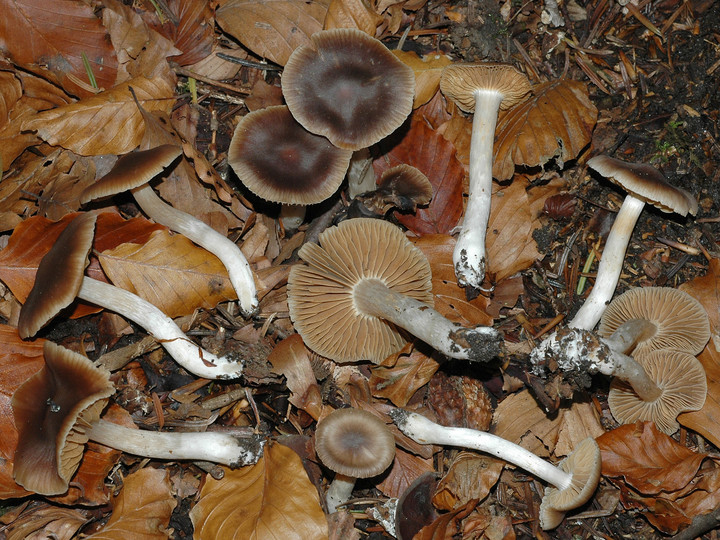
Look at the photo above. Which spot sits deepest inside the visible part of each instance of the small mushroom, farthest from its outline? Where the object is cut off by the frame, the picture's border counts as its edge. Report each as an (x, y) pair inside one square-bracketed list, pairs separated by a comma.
[(402, 187), (354, 444), (132, 172), (280, 161), (59, 280), (347, 86), (482, 89), (361, 283), (644, 184), (58, 409), (573, 480)]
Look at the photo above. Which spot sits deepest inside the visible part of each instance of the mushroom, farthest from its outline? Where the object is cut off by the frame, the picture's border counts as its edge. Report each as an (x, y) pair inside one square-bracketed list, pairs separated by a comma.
[(58, 409), (482, 89), (348, 87), (644, 184), (280, 161), (573, 480), (133, 172), (402, 187), (59, 280), (363, 281), (354, 444)]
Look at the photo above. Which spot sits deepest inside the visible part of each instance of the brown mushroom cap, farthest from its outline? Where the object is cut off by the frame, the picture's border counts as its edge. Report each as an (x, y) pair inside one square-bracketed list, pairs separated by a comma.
[(584, 465), (59, 275), (51, 410), (320, 293), (280, 161), (354, 443), (459, 82), (646, 183), (131, 171), (348, 87), (681, 322), (406, 182), (681, 378)]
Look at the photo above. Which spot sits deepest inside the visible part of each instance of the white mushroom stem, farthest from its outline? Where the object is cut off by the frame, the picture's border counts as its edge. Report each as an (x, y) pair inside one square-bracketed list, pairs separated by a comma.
[(339, 492), (196, 446), (425, 431), (373, 298), (205, 236), (469, 256), (610, 265), (193, 358)]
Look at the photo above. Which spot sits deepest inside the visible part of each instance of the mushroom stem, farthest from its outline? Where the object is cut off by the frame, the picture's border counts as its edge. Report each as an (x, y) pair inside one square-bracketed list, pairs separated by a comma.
[(627, 336), (373, 297), (205, 236), (425, 431), (193, 358), (469, 256), (196, 446), (610, 265), (292, 215), (340, 491)]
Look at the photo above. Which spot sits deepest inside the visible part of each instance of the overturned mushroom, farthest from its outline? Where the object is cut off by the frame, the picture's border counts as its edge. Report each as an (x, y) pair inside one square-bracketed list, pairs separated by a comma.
[(363, 281), (58, 409), (59, 280)]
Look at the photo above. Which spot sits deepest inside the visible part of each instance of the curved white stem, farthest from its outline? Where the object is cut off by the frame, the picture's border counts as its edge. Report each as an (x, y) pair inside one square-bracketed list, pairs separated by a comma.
[(196, 446), (193, 358), (610, 265), (425, 431), (339, 492), (469, 256), (205, 236), (372, 297)]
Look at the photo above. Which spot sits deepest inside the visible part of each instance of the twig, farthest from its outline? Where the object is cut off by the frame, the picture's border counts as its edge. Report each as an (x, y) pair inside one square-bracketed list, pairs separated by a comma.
[(187, 73)]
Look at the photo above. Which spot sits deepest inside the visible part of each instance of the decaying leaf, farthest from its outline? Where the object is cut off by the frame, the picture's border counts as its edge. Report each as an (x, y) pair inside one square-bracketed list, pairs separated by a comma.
[(427, 73), (401, 374), (193, 34), (269, 500), (519, 419), (405, 469), (41, 520), (352, 14), (706, 290), (470, 476), (706, 421)]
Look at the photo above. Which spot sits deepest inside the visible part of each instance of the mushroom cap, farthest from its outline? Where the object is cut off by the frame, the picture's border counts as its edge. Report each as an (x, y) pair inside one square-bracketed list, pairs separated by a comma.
[(131, 171), (679, 375), (646, 183), (280, 161), (681, 321), (459, 82), (59, 275), (354, 443), (51, 410), (347, 86), (320, 293), (409, 186), (584, 465)]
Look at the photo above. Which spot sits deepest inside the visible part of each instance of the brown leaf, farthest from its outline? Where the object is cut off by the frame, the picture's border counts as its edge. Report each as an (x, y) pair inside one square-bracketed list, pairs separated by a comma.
[(269, 500), (447, 525), (61, 195), (427, 73), (142, 510), (647, 459), (556, 122), (10, 94), (405, 469), (401, 374), (193, 34), (352, 14), (427, 151), (470, 476), (272, 29), (39, 33), (41, 520), (706, 421), (706, 290)]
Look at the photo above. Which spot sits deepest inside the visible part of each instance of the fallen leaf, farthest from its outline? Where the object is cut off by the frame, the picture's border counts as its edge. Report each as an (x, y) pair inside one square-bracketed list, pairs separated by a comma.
[(193, 34), (447, 525), (401, 374), (706, 421), (427, 73), (405, 469), (470, 476), (519, 419), (706, 290), (352, 14), (43, 521)]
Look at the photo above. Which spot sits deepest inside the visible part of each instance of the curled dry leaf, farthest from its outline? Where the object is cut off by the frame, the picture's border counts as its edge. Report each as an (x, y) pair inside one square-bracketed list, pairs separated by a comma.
[(271, 499), (427, 73), (401, 374), (447, 525), (352, 14), (706, 421), (470, 476), (706, 290), (556, 122), (44, 521), (272, 30), (193, 34), (405, 469)]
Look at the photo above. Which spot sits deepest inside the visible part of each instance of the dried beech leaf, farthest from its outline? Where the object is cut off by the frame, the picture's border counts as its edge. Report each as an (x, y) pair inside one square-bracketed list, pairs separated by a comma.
[(10, 93), (272, 29), (170, 272), (61, 195), (647, 459), (400, 375), (142, 510), (108, 123), (269, 500), (447, 525), (427, 73), (193, 34), (405, 469), (44, 521), (519, 419), (41, 33), (352, 14), (706, 290), (470, 476), (556, 122), (578, 423), (13, 141), (431, 154), (706, 421)]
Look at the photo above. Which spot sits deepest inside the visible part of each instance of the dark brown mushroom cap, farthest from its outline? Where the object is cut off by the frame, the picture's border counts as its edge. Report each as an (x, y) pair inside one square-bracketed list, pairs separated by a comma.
[(681, 378), (280, 161), (131, 171), (680, 321), (51, 410), (320, 292), (646, 183), (348, 87), (354, 443), (406, 183), (59, 275), (459, 82), (584, 465)]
